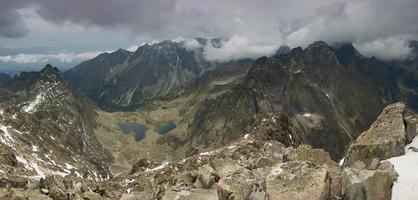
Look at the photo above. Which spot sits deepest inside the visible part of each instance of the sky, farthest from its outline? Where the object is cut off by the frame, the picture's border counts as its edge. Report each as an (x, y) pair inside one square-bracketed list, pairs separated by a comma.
[(66, 32)]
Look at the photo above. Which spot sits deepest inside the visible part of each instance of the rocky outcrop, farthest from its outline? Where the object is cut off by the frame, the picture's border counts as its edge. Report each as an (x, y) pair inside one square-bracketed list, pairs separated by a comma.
[(298, 180), (385, 138), (363, 184), (365, 176), (330, 94), (46, 128), (249, 168)]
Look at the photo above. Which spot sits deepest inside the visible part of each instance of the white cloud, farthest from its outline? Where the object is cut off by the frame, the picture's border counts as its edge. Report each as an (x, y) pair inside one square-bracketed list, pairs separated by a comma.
[(257, 26), (239, 47), (132, 48), (386, 48), (44, 58)]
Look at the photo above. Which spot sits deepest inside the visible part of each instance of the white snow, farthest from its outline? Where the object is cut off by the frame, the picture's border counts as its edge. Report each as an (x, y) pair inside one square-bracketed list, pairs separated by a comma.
[(307, 114), (31, 166), (246, 136), (68, 166), (231, 147), (326, 94), (406, 186), (162, 166), (6, 138), (208, 153), (52, 161), (341, 163), (31, 107), (34, 148)]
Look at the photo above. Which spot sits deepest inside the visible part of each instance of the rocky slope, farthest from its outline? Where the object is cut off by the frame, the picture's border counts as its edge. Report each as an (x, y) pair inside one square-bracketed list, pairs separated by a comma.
[(329, 93), (47, 128), (257, 166), (124, 80)]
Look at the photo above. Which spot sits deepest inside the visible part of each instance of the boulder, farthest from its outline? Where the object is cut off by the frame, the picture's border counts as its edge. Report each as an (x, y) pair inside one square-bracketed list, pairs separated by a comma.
[(91, 196), (363, 184), (141, 164), (411, 128), (136, 196), (241, 187), (385, 138), (194, 194), (298, 180), (52, 181), (319, 157), (26, 195), (206, 177)]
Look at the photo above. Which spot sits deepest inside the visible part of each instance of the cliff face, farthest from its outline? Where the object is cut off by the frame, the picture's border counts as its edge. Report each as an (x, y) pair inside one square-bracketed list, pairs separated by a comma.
[(46, 128), (125, 79), (330, 95)]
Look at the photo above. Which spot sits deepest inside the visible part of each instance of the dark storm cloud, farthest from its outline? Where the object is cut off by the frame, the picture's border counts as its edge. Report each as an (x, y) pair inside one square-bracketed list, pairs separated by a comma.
[(251, 28), (11, 24)]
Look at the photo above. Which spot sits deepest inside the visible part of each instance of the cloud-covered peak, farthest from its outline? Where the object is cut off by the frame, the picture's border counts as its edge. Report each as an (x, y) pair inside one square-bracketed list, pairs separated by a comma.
[(249, 28)]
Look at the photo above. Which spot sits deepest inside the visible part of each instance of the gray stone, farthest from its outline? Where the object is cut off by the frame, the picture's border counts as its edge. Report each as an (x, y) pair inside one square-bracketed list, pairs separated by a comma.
[(374, 163), (91, 196), (385, 138), (298, 181), (362, 184), (206, 177), (359, 165), (411, 128)]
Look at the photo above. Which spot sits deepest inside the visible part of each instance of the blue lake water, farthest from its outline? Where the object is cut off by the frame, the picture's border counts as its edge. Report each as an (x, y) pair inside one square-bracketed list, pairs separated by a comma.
[(165, 127), (138, 130)]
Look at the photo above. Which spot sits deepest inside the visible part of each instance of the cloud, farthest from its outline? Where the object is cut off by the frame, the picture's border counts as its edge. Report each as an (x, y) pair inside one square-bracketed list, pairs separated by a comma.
[(387, 48), (238, 47), (45, 58), (250, 28), (11, 23)]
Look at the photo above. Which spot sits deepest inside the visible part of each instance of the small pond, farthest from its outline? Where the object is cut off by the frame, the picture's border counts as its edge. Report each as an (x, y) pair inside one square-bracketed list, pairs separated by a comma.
[(165, 127), (138, 130)]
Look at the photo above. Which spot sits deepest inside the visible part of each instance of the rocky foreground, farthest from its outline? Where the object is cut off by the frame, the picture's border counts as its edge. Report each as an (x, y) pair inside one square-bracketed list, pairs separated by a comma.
[(267, 163)]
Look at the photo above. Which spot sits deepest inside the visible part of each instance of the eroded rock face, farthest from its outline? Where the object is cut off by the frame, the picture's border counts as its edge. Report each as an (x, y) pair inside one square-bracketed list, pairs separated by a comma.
[(385, 138), (298, 180), (363, 184)]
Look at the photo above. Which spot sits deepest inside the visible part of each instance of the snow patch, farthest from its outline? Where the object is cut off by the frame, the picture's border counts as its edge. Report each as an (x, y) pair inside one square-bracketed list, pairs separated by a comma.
[(406, 186), (162, 166), (34, 148), (231, 147), (6, 138), (31, 165), (307, 114), (68, 166), (31, 107), (208, 153), (341, 163)]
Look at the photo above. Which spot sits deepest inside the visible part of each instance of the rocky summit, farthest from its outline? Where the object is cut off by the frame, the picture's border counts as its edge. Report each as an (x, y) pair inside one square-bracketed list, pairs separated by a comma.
[(164, 123), (250, 167)]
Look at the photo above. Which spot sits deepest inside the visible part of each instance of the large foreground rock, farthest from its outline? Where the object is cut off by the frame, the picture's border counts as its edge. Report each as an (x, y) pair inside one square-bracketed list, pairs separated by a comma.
[(386, 138), (363, 184), (298, 181)]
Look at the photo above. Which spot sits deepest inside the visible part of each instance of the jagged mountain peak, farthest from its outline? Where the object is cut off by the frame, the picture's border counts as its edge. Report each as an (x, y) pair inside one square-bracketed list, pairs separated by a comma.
[(49, 127), (50, 72)]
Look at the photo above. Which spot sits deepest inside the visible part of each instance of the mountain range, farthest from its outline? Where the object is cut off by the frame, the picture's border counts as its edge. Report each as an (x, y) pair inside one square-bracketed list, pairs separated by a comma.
[(120, 119)]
